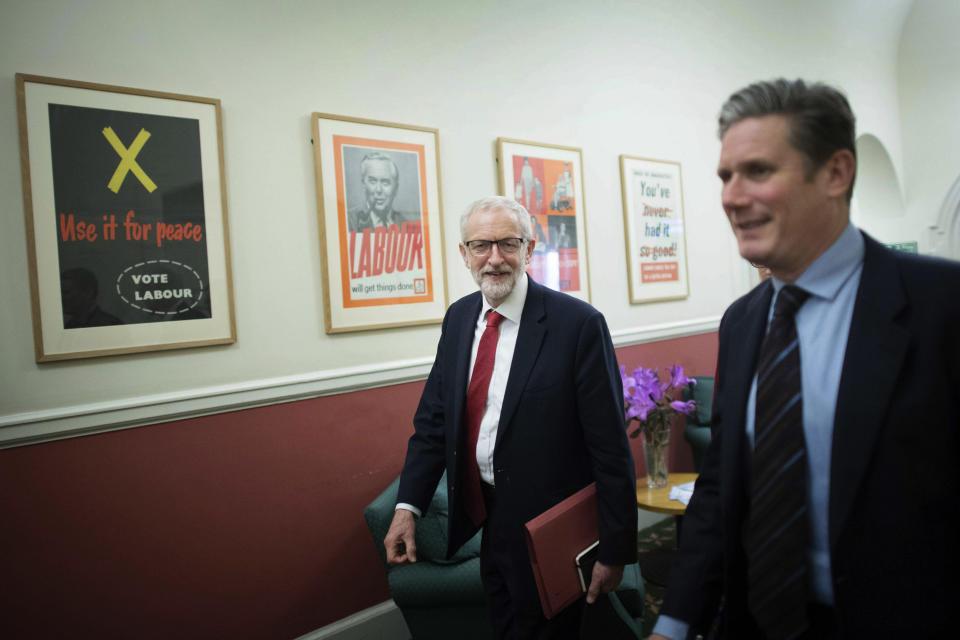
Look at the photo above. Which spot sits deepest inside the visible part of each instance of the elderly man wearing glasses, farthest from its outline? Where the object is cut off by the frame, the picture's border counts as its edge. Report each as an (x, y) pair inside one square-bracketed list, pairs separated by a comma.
[(523, 407)]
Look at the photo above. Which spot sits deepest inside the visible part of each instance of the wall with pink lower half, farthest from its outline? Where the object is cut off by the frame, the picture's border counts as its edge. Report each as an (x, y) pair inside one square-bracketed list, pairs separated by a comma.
[(245, 524)]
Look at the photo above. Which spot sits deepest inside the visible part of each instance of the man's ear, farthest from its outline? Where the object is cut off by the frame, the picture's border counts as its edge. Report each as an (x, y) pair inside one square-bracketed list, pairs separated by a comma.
[(463, 254), (839, 171)]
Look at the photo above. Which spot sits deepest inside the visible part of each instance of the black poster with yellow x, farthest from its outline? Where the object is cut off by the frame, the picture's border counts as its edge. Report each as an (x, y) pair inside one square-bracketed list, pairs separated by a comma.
[(128, 192)]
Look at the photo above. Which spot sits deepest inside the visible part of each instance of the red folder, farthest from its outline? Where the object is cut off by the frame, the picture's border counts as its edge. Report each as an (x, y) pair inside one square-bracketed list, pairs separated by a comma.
[(555, 538)]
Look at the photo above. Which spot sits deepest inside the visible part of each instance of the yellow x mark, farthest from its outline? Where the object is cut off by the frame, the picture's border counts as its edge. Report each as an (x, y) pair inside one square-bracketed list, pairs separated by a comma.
[(128, 160)]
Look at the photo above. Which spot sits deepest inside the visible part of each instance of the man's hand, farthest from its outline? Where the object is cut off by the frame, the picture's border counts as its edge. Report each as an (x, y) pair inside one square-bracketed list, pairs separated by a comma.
[(399, 543), (605, 579)]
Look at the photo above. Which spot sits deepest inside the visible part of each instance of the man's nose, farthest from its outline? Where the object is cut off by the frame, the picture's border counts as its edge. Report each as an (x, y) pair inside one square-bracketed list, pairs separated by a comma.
[(734, 194), (495, 256)]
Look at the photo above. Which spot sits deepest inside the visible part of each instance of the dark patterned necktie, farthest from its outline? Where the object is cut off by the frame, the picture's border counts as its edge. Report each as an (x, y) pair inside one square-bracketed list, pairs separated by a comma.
[(476, 404), (776, 533)]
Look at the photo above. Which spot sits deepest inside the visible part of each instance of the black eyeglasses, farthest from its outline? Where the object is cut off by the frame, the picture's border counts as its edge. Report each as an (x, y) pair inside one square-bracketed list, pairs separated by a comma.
[(480, 248)]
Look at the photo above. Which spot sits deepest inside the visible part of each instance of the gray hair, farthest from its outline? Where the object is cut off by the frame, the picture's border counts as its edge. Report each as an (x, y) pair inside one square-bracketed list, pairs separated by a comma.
[(382, 158), (493, 203), (820, 119)]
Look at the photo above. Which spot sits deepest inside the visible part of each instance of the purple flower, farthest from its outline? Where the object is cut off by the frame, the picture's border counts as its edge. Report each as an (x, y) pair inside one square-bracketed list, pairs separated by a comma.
[(629, 384), (684, 407), (650, 401), (640, 407), (677, 379), (648, 383)]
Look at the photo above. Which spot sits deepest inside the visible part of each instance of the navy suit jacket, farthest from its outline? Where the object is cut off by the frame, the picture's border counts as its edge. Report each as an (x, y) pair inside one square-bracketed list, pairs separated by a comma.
[(895, 467), (561, 425)]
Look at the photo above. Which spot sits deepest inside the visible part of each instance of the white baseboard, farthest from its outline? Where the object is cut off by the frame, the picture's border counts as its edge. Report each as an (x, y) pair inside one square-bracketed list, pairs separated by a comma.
[(381, 622), (66, 422)]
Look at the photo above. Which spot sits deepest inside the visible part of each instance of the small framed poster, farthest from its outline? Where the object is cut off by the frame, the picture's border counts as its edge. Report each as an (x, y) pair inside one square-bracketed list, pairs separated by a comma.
[(381, 234), (126, 217), (548, 180), (654, 228)]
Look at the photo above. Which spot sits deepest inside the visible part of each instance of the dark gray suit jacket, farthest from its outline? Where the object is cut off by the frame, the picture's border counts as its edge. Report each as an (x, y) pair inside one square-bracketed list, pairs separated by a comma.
[(561, 425), (895, 468)]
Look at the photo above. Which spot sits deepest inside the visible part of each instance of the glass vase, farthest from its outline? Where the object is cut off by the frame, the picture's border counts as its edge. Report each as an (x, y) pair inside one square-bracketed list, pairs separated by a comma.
[(655, 444)]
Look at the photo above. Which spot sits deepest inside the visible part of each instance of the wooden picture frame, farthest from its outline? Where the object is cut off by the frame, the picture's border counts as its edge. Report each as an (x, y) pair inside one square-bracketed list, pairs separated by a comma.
[(654, 229), (548, 180), (381, 223), (126, 219)]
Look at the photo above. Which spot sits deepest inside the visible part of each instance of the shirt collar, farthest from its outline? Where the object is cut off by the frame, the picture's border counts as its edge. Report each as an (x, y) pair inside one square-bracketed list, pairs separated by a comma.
[(827, 274), (512, 307)]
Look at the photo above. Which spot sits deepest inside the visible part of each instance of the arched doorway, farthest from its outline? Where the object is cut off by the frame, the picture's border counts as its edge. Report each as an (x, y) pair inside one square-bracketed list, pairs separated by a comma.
[(945, 236)]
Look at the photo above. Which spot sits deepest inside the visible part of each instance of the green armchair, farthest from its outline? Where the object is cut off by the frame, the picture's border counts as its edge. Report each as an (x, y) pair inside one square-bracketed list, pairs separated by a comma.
[(697, 431), (439, 598), (442, 598)]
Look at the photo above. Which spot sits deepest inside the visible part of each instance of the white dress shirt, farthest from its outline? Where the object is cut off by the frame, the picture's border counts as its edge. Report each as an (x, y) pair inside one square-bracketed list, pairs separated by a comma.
[(511, 309)]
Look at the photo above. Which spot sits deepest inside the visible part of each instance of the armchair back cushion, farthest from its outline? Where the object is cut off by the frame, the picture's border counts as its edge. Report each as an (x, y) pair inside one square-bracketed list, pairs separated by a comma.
[(702, 394), (697, 431), (431, 532)]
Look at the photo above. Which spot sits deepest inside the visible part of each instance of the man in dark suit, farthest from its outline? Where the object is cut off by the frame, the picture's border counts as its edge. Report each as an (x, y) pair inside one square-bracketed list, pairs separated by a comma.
[(549, 422), (852, 475)]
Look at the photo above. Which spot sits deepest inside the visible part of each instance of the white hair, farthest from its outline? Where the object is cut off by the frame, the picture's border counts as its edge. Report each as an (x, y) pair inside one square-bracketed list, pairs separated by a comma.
[(493, 203)]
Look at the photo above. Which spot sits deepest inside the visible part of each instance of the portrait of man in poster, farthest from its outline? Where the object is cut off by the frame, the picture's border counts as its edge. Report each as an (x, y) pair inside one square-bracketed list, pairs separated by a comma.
[(375, 179)]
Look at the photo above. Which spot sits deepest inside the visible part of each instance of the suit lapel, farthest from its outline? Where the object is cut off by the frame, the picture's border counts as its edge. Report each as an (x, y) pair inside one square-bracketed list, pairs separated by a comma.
[(467, 328), (744, 345), (529, 339), (875, 351)]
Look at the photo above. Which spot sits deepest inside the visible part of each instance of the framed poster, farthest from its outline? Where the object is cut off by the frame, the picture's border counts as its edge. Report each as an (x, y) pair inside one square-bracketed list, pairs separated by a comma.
[(548, 180), (655, 232), (381, 239), (126, 218)]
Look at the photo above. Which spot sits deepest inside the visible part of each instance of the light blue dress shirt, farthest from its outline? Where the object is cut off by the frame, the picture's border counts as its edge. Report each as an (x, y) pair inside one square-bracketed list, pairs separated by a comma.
[(823, 325)]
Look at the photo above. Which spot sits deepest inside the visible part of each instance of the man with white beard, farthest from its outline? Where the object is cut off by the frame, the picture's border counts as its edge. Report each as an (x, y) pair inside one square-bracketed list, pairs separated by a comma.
[(523, 407)]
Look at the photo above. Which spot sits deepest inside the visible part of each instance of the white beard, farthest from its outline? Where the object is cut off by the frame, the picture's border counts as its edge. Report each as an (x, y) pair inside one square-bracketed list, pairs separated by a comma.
[(498, 291)]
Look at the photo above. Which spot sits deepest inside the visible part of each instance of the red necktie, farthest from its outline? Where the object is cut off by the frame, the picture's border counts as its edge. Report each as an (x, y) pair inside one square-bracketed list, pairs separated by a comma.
[(476, 403)]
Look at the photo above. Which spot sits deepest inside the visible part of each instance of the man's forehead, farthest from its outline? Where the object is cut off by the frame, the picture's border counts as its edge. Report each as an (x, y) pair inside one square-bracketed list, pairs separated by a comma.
[(377, 165), (493, 216), (755, 138)]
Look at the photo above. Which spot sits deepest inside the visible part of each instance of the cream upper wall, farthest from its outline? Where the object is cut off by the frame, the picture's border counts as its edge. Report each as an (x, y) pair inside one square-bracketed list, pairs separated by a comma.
[(640, 78), (929, 90)]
